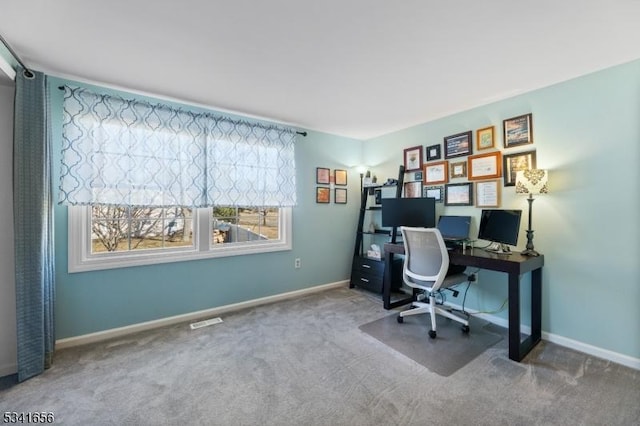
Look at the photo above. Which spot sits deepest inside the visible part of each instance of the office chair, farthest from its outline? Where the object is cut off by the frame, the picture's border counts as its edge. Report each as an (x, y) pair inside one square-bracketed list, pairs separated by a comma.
[(425, 267)]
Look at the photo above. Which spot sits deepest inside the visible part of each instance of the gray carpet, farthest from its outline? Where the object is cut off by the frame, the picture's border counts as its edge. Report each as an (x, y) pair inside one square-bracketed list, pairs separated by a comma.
[(306, 362), (447, 353)]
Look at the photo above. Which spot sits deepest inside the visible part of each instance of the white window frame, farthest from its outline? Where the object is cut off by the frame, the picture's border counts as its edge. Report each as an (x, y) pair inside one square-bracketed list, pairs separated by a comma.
[(82, 260)]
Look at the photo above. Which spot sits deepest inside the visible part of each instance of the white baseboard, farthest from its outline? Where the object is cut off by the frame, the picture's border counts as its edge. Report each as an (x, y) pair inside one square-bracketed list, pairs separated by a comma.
[(8, 369), (605, 354), (148, 325), (608, 355)]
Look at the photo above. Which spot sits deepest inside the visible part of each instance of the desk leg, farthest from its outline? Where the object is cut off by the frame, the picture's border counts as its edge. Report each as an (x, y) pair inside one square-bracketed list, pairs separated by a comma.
[(386, 281), (519, 349), (386, 286), (536, 305), (514, 317)]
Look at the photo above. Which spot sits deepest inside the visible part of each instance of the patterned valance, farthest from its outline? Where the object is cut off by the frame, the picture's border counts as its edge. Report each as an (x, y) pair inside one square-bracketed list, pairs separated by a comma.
[(129, 152)]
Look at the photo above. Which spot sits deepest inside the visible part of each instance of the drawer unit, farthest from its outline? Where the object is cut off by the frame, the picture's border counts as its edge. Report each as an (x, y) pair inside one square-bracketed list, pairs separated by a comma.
[(369, 273)]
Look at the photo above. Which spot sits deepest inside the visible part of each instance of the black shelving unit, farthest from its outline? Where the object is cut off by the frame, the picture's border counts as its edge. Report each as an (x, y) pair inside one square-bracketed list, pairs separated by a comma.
[(366, 272)]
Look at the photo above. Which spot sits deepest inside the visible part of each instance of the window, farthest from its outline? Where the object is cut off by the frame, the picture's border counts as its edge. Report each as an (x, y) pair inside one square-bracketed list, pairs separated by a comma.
[(147, 183), (234, 225), (126, 228), (105, 237)]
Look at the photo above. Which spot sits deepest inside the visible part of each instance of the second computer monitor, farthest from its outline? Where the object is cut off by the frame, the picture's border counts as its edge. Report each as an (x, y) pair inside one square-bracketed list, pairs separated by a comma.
[(454, 227)]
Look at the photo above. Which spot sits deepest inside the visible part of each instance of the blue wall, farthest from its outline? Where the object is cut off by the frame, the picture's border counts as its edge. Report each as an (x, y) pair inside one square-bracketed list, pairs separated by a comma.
[(323, 237), (587, 133)]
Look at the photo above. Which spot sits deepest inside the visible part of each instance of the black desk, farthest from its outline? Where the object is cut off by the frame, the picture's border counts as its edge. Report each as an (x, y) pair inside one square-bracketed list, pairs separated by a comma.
[(515, 265)]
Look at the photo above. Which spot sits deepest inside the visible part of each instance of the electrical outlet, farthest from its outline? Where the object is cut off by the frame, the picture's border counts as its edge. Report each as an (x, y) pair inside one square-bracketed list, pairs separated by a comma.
[(297, 263)]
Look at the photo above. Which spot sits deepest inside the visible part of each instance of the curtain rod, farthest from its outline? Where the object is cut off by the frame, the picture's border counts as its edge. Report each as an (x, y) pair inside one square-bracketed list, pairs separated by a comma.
[(304, 134), (27, 72)]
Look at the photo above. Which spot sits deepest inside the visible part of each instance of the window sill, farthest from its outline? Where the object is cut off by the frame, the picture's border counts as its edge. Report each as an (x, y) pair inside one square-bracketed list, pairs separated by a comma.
[(115, 261)]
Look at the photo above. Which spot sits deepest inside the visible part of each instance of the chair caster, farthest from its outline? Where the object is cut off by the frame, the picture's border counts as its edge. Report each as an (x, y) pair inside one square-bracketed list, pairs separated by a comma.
[(432, 334), (400, 319), (465, 329)]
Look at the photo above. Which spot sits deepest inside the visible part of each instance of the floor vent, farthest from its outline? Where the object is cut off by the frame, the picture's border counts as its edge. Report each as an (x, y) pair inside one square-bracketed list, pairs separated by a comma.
[(205, 323)]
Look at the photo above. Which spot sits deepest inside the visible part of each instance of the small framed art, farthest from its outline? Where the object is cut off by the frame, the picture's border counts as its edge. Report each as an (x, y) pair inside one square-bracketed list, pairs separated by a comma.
[(518, 130), (323, 176), (512, 163), (436, 192), (437, 172), (484, 138), (433, 152), (340, 177), (413, 159), (458, 194), (323, 195), (377, 196), (458, 170), (488, 194), (413, 189), (340, 196), (485, 166), (458, 145)]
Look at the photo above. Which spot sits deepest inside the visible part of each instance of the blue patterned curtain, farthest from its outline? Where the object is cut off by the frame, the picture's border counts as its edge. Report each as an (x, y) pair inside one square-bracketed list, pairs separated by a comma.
[(128, 152), (33, 226)]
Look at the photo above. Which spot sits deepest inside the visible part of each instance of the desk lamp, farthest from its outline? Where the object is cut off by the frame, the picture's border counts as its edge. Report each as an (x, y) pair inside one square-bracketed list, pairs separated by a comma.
[(531, 182)]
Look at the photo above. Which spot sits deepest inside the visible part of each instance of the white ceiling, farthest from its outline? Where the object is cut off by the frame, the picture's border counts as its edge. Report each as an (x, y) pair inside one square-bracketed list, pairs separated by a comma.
[(358, 68)]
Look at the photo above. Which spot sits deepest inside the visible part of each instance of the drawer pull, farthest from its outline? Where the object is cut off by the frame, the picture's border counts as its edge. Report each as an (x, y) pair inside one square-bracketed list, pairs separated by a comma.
[(364, 279), (366, 266)]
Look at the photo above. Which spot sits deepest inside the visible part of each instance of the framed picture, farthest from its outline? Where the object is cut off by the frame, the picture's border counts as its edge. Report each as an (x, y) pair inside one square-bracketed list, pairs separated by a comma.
[(418, 176), (377, 196), (458, 194), (340, 177), (484, 138), (518, 130), (323, 176), (485, 166), (458, 145), (488, 194), (413, 190), (413, 159), (322, 195), (512, 163), (436, 192), (433, 152), (458, 170), (340, 196), (435, 173)]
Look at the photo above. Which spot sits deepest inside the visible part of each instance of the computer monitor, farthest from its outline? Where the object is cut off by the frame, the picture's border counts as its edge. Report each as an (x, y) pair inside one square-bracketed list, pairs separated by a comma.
[(454, 228), (417, 212), (501, 227)]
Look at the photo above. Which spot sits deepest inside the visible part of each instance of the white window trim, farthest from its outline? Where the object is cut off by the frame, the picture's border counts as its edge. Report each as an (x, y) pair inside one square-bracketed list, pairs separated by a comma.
[(82, 260)]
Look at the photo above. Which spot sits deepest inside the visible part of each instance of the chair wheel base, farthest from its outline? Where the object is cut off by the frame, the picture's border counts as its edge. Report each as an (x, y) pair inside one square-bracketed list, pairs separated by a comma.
[(400, 319), (432, 334)]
